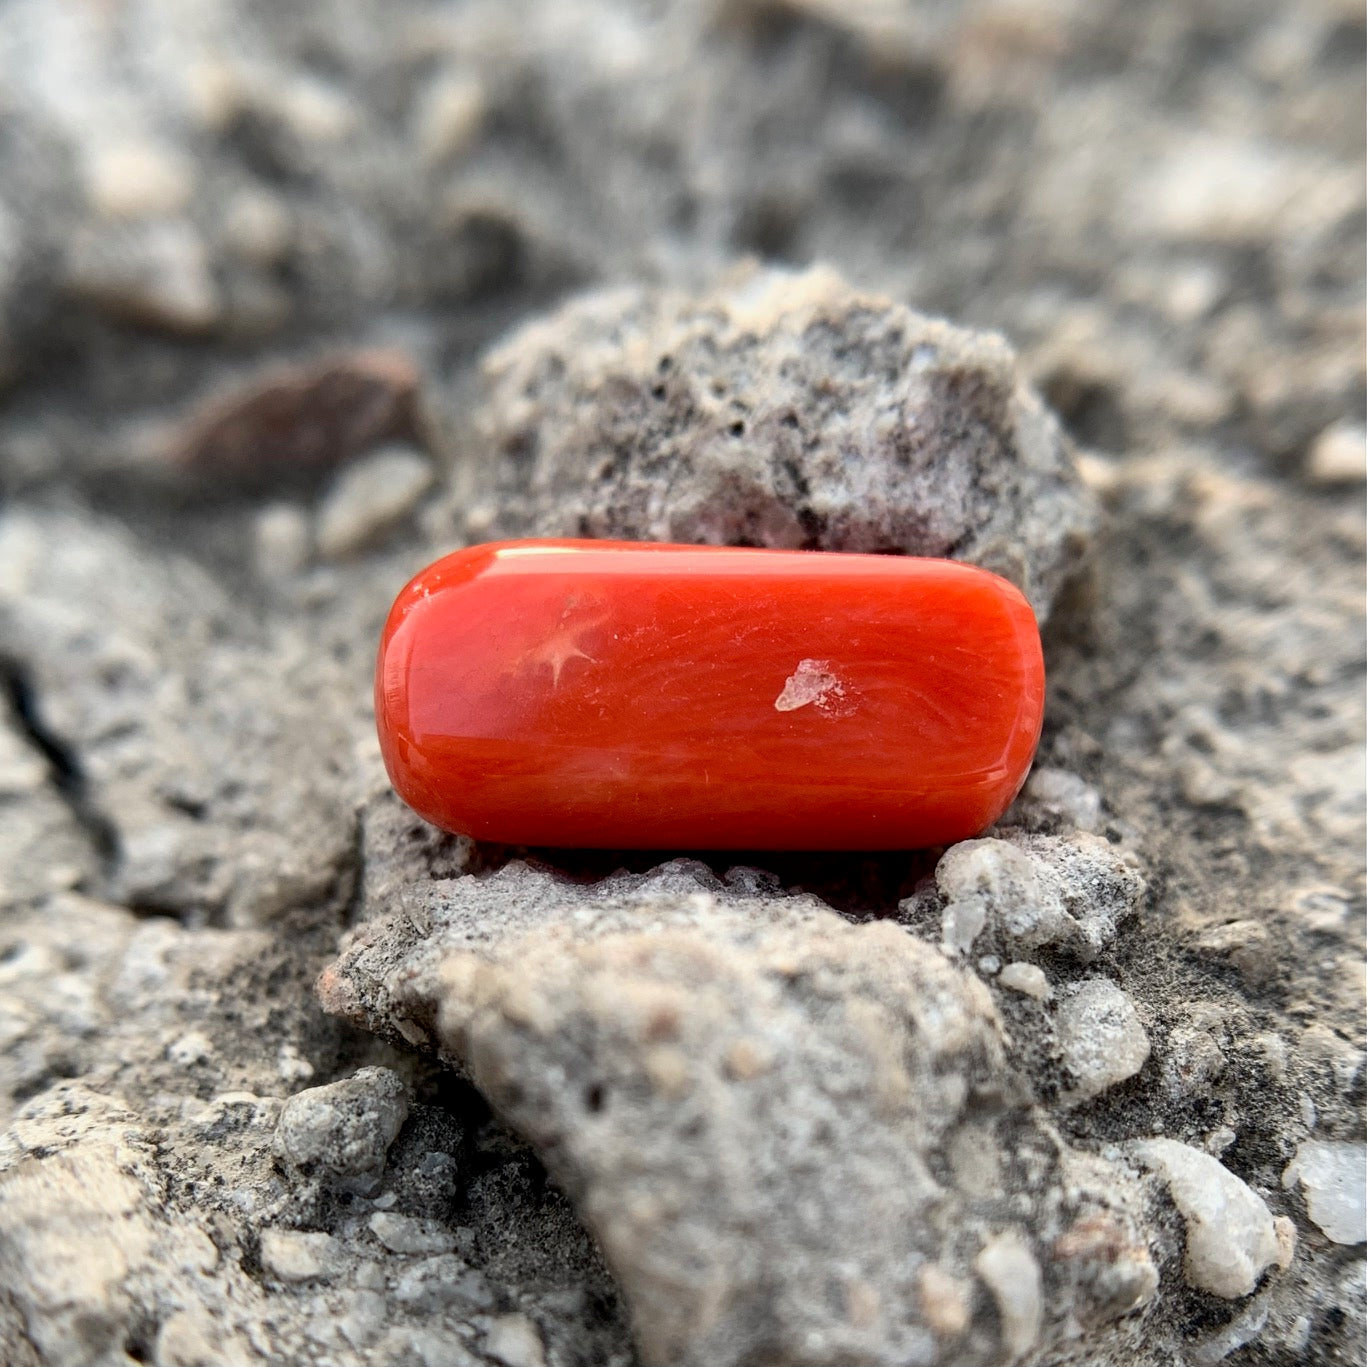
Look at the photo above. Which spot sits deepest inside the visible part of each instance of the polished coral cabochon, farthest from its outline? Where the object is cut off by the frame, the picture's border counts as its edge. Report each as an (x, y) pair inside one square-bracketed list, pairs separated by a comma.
[(634, 695)]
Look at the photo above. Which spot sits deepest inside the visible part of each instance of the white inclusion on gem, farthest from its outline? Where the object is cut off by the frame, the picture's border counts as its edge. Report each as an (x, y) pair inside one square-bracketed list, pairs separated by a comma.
[(556, 652), (811, 682), (558, 649), (559, 653)]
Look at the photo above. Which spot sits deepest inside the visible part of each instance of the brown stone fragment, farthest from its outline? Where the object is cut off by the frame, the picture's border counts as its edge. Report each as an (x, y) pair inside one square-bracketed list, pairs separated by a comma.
[(294, 420)]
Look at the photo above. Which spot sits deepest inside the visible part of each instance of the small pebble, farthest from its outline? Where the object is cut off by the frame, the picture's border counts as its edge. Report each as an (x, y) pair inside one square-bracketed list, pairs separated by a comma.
[(315, 112), (369, 499), (1333, 1179), (346, 1127), (291, 1065), (189, 1049), (480, 518), (131, 180), (1285, 1229), (1229, 1338), (194, 1338), (156, 274), (403, 1234), (1066, 796), (23, 770), (1012, 1274), (1026, 979), (257, 228), (443, 1282), (365, 1317), (1100, 1037), (1231, 1238), (1192, 291), (282, 541), (945, 1302), (424, 1348), (1212, 188), (292, 1255), (1274, 1053), (1219, 1140), (514, 1341), (982, 877), (1339, 455), (960, 924), (289, 419), (1323, 909), (449, 116), (1194, 1058)]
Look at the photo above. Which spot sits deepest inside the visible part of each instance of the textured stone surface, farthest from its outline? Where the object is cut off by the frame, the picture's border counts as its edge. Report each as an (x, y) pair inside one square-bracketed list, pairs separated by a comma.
[(213, 802), (1102, 1041), (782, 410), (747, 1096), (1160, 206), (1023, 892)]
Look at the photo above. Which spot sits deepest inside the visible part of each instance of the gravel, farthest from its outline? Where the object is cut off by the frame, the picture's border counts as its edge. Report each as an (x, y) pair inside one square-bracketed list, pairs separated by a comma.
[(251, 254)]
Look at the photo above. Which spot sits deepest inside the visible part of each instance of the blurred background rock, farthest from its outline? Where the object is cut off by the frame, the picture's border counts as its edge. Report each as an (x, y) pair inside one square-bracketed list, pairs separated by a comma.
[(254, 260)]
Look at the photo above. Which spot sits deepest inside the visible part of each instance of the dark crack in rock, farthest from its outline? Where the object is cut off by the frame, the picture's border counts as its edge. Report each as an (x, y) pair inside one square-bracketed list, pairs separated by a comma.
[(214, 768)]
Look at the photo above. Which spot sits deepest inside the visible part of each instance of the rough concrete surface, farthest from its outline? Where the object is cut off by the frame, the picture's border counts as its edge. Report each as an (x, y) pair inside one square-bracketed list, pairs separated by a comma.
[(295, 298)]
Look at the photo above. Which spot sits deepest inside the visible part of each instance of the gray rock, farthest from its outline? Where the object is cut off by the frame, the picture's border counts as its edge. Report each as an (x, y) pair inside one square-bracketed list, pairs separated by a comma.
[(369, 499), (743, 1093), (1019, 892), (1100, 1036), (345, 1128), (782, 410), (206, 751), (1161, 208)]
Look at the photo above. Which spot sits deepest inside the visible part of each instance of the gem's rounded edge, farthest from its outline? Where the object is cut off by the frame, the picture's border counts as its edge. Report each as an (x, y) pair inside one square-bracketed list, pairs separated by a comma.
[(421, 790), (403, 760), (1029, 725)]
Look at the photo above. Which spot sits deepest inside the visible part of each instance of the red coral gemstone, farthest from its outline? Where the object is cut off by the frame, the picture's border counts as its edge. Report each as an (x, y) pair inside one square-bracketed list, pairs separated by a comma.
[(629, 695)]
